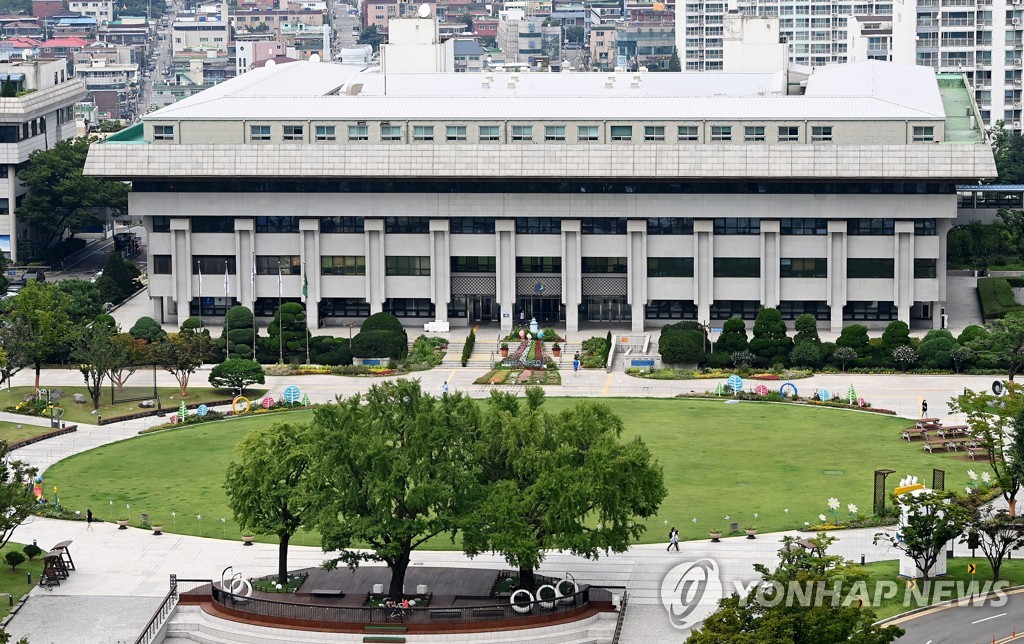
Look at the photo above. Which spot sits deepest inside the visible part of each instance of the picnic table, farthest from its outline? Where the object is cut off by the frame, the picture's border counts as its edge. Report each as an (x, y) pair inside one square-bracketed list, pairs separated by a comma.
[(952, 430), (921, 422), (912, 432), (950, 444)]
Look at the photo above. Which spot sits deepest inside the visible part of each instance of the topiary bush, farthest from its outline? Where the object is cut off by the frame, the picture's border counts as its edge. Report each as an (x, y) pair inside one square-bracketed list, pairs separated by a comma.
[(770, 343), (467, 349), (382, 322), (238, 333), (683, 343), (147, 329), (288, 328), (379, 344), (328, 350), (32, 551), (14, 559)]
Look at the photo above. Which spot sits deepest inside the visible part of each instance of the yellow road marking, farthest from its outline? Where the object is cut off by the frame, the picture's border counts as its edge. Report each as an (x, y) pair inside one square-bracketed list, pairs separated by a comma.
[(607, 383)]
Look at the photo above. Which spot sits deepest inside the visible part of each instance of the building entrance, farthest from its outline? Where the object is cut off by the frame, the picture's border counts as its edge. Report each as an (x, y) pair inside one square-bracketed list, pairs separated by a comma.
[(547, 310), (605, 309)]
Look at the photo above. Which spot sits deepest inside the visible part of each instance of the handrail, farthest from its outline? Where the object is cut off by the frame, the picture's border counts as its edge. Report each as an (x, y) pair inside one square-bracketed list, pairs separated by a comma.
[(621, 618), (156, 622)]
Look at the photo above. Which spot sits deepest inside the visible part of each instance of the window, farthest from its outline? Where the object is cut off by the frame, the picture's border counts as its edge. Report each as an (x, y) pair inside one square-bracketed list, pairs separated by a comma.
[(471, 226), (538, 226), (489, 133), (721, 133), (725, 309), (622, 132), (789, 134), (268, 264), (753, 133), (343, 265), (737, 267), (161, 224), (213, 264), (277, 224), (294, 133), (163, 132), (803, 267), (670, 226), (213, 224), (358, 133), (603, 265), (670, 310), (390, 132), (259, 132), (211, 306), (654, 133), (473, 264), (821, 133), (870, 227), (804, 226), (737, 226), (924, 227), (538, 264), (554, 132), (924, 134), (341, 307), (603, 225), (341, 224), (325, 133), (869, 311), (455, 132), (924, 269), (407, 225), (522, 132), (161, 264), (586, 133), (687, 133), (423, 133), (407, 265), (409, 307), (790, 310), (869, 268), (669, 267)]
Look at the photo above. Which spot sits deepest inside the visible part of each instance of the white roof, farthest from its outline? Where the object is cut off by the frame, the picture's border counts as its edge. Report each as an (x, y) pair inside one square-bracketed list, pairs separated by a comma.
[(328, 91)]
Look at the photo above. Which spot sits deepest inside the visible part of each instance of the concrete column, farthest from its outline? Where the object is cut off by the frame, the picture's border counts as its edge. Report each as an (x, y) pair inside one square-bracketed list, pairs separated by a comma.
[(770, 248), (703, 267), (12, 218), (836, 294), (309, 233), (903, 275), (245, 250), (942, 227), (440, 269), (636, 271), (181, 259), (373, 231), (505, 267), (572, 277)]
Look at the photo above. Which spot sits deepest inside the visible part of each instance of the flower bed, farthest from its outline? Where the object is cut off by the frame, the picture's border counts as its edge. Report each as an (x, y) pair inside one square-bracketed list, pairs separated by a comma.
[(269, 584), (342, 370)]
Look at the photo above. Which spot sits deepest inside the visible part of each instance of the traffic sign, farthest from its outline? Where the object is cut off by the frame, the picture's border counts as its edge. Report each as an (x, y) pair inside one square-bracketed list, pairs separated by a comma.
[(911, 583), (972, 569)]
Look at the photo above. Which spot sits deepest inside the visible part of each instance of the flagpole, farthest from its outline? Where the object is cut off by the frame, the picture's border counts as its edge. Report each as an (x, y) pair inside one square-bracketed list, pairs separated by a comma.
[(280, 343), (254, 304), (227, 352), (199, 270), (305, 297)]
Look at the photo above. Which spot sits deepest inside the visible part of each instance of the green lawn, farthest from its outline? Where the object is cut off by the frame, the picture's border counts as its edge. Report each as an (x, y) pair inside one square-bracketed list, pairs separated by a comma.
[(719, 460), (14, 432), (170, 398), (15, 582), (1012, 571)]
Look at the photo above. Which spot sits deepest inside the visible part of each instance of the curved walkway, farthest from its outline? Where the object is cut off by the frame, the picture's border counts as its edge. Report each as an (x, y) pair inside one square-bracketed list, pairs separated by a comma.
[(122, 574)]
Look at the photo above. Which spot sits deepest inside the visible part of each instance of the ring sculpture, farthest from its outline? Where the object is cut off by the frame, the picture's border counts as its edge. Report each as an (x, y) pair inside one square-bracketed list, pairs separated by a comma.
[(565, 590), (240, 401), (519, 608), (546, 596), (782, 389)]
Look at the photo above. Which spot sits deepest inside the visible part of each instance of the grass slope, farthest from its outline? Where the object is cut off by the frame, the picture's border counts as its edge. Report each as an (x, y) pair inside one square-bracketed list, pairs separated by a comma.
[(12, 433), (718, 459)]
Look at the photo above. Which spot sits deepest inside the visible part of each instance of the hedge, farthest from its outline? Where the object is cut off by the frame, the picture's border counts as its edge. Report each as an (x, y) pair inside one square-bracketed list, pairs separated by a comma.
[(467, 349), (380, 344), (996, 297)]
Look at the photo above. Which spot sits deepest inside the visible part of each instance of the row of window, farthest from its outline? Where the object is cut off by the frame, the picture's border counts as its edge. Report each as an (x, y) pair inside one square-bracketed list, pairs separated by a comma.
[(530, 133), (418, 266), (553, 225), (748, 310)]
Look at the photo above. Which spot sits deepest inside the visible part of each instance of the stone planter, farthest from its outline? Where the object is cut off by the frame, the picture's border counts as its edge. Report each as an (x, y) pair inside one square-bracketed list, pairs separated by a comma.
[(715, 536), (247, 540), (122, 524), (556, 352), (157, 530), (751, 533)]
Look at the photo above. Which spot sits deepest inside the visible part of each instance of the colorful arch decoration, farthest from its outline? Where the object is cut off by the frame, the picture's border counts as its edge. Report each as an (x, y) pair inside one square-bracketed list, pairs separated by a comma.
[(240, 402), (782, 389)]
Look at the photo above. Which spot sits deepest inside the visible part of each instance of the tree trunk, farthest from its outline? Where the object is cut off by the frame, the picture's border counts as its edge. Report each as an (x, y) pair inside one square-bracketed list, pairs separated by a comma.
[(1012, 509), (996, 565), (527, 579), (39, 368), (282, 559), (398, 569)]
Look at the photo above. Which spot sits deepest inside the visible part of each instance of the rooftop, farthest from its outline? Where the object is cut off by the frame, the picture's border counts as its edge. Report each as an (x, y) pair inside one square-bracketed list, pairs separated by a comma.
[(857, 91)]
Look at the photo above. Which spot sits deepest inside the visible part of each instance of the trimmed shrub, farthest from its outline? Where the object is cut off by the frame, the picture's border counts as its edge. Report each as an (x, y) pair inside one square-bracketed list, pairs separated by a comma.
[(382, 322), (287, 327), (934, 352), (238, 333), (855, 337), (32, 551), (770, 342), (237, 373), (805, 354), (14, 559), (379, 344), (733, 337), (806, 329), (148, 329), (683, 343), (192, 324), (996, 297), (467, 349), (594, 352), (328, 350)]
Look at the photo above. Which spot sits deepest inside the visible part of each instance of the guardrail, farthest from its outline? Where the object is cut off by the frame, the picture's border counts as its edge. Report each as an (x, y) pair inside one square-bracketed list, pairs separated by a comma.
[(156, 623), (621, 618)]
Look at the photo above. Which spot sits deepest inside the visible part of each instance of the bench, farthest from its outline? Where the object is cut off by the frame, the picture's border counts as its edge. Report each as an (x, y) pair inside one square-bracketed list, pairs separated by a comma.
[(496, 612), (327, 592), (445, 613)]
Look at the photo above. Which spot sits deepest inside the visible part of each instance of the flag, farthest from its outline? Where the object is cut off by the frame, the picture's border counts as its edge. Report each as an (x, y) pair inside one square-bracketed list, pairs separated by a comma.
[(280, 282), (227, 287), (305, 282), (199, 269), (253, 273)]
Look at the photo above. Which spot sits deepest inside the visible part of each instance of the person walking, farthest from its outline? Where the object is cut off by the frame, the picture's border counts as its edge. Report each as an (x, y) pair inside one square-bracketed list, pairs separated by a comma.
[(924, 408), (576, 364), (673, 539), (444, 388), (88, 519)]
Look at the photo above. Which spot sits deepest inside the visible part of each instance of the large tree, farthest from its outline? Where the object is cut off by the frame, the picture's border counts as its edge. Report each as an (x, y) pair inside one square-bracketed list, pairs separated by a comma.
[(16, 498), (267, 487), (994, 530), (237, 374), (999, 422), (933, 519), (181, 355), (94, 351), (770, 343), (39, 317), (127, 354), (558, 481), (83, 299), (1006, 340), (60, 198), (747, 620), (393, 471)]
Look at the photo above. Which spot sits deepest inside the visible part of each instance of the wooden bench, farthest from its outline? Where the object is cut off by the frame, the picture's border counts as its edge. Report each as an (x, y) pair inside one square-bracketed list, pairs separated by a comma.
[(445, 613), (496, 612), (327, 592), (924, 422), (912, 432)]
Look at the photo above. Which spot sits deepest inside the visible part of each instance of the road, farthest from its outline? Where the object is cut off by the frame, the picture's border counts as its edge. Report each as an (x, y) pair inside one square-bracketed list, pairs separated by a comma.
[(342, 21), (967, 624)]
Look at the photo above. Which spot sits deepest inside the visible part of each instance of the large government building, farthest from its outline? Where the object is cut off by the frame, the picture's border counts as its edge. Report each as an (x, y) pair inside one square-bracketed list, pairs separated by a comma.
[(632, 198)]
